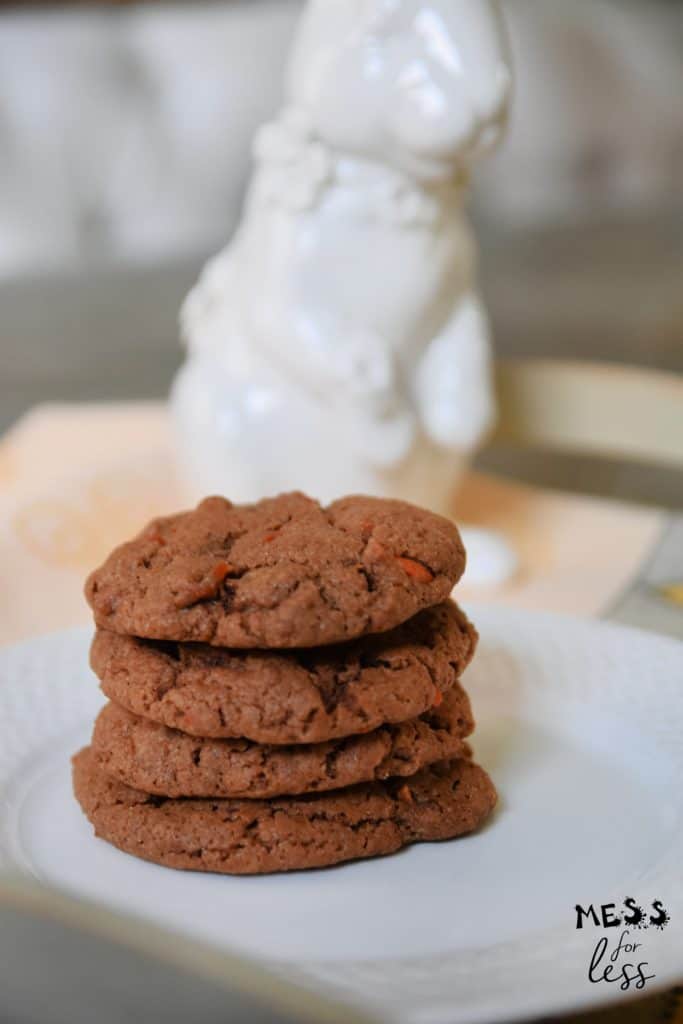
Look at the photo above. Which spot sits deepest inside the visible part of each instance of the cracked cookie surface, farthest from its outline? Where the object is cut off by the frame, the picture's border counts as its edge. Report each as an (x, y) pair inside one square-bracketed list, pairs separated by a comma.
[(150, 757), (285, 834), (282, 573), (305, 696)]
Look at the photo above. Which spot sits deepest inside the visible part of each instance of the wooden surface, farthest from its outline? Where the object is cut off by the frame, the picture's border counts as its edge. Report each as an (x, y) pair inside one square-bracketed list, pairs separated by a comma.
[(599, 408)]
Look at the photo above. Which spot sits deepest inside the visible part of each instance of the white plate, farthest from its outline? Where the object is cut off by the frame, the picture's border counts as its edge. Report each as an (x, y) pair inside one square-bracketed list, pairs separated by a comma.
[(581, 726)]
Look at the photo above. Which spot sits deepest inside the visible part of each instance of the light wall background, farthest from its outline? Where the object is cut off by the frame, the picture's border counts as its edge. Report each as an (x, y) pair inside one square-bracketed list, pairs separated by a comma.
[(125, 131)]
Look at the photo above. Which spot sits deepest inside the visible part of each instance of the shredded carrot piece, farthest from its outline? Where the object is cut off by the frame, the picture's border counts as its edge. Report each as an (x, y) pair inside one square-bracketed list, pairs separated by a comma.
[(416, 570), (220, 571), (405, 795), (438, 699)]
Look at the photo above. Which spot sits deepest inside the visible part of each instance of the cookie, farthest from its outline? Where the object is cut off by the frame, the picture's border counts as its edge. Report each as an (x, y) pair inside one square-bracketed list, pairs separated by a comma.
[(258, 836), (305, 696), (285, 572), (158, 760)]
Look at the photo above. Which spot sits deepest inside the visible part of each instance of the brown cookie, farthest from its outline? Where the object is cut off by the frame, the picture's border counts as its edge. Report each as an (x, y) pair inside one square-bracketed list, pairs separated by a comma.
[(158, 760), (282, 573), (305, 696), (259, 836)]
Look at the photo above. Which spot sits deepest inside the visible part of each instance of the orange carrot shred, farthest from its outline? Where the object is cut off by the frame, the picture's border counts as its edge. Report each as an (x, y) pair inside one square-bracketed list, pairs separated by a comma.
[(416, 570), (220, 571), (405, 795), (438, 699)]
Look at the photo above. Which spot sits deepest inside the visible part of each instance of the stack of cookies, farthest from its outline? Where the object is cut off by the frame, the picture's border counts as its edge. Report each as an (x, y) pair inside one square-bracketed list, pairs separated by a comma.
[(284, 687)]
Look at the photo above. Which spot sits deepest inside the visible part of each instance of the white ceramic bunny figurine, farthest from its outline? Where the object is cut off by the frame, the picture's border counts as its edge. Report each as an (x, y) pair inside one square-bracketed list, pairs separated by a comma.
[(339, 344)]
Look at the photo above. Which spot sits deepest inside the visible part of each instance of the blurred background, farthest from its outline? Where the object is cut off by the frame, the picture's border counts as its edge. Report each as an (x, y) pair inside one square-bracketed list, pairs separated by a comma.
[(125, 146)]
